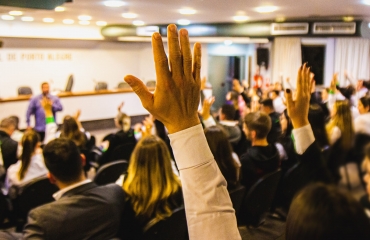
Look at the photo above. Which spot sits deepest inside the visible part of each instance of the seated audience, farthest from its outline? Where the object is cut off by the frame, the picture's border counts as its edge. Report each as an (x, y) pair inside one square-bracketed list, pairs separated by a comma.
[(152, 188), (322, 212), (268, 108), (30, 166), (316, 117), (17, 135), (71, 130), (226, 159), (8, 146), (362, 122), (262, 157)]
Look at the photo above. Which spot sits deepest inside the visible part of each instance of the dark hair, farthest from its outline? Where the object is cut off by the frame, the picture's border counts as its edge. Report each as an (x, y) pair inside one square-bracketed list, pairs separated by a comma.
[(365, 101), (16, 121), (277, 92), (29, 142), (44, 83), (316, 118), (234, 95), (71, 131), (289, 128), (259, 122), (323, 212), (222, 152), (7, 122), (63, 160), (267, 102), (229, 111)]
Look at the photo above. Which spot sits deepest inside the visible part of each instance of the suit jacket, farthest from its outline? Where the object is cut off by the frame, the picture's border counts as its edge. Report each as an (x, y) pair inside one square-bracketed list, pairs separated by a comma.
[(9, 149), (85, 212)]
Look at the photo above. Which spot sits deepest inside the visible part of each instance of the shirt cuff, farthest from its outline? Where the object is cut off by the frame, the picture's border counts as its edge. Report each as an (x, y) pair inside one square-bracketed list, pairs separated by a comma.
[(190, 147), (209, 122), (302, 137)]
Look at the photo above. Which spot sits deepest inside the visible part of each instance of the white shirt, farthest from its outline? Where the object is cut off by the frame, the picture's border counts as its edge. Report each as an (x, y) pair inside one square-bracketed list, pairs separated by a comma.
[(362, 124), (36, 169)]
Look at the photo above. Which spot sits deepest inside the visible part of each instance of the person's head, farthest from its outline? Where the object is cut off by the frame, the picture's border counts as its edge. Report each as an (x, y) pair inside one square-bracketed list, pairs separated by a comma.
[(316, 118), (150, 182), (30, 143), (325, 94), (256, 125), (267, 106), (70, 130), (232, 97), (123, 121), (16, 121), (285, 123), (64, 161), (8, 125), (227, 112), (342, 118), (45, 88), (222, 152), (323, 212), (274, 94), (364, 105)]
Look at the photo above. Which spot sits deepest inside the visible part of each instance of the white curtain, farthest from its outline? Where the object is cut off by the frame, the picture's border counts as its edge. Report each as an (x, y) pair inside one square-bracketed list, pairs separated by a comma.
[(352, 55), (287, 58)]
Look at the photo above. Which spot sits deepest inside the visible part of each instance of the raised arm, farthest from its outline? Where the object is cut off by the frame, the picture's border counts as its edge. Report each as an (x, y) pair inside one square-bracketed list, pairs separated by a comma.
[(175, 102)]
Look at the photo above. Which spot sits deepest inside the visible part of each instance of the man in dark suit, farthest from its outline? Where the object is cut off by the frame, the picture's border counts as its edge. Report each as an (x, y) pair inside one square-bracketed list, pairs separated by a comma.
[(8, 146), (82, 209)]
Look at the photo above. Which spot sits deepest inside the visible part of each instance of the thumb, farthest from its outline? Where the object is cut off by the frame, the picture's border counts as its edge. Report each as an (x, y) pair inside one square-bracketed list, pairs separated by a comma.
[(141, 91), (289, 99)]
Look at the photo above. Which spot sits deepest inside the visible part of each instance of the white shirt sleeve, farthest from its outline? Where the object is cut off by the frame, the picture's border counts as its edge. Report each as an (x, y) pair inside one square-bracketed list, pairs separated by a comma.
[(303, 137), (209, 211), (209, 122), (50, 132)]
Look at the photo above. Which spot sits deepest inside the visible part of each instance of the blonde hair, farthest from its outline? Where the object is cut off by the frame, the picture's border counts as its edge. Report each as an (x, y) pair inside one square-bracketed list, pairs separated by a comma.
[(343, 120), (150, 182)]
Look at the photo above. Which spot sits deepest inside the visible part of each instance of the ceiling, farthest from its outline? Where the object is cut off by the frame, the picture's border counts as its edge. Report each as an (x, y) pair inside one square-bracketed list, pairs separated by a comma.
[(166, 11)]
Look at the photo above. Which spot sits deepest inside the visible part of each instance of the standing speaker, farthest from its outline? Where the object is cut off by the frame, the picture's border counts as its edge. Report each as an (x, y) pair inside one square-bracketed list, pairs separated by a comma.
[(263, 57)]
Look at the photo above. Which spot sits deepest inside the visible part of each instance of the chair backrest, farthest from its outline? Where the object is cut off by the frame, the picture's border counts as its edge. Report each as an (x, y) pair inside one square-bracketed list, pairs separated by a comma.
[(101, 86), (69, 84), (259, 198), (236, 196), (173, 227), (123, 85), (35, 193), (24, 90), (151, 83), (122, 151), (110, 172)]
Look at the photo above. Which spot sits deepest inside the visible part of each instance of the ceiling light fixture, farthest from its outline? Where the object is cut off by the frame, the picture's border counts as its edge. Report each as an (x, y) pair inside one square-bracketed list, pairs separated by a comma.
[(27, 19), (280, 19), (187, 11), (84, 18), (366, 2), (101, 23), (138, 23), (16, 13), (348, 19), (68, 21), (7, 17), (114, 3), (240, 18), (84, 22), (48, 20), (266, 9), (183, 22), (60, 9), (129, 15)]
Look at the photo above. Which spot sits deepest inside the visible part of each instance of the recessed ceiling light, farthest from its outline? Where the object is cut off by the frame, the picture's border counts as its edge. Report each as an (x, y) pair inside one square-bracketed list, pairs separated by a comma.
[(114, 3), (266, 9), (16, 13), (348, 19), (129, 15), (7, 17), (187, 11), (228, 42), (138, 23), (68, 21), (48, 20), (60, 9), (27, 19), (367, 2), (84, 18), (183, 22), (101, 23), (240, 18), (84, 22)]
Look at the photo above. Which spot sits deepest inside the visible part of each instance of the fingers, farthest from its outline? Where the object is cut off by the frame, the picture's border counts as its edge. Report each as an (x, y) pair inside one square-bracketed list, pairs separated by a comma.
[(289, 99), (160, 57), (141, 90), (174, 50), (197, 56), (186, 53)]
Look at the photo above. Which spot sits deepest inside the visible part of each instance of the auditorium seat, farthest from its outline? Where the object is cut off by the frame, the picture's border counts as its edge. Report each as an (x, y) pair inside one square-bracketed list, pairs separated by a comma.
[(123, 85), (151, 83), (24, 90), (110, 172), (69, 84)]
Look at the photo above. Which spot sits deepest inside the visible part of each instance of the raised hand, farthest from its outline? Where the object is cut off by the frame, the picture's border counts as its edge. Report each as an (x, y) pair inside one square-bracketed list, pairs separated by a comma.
[(333, 83), (176, 97), (120, 106), (298, 108), (237, 87), (206, 109)]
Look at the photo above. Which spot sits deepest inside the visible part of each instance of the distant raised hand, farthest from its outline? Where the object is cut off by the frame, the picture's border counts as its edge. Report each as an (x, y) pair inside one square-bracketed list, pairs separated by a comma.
[(176, 97), (206, 109)]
